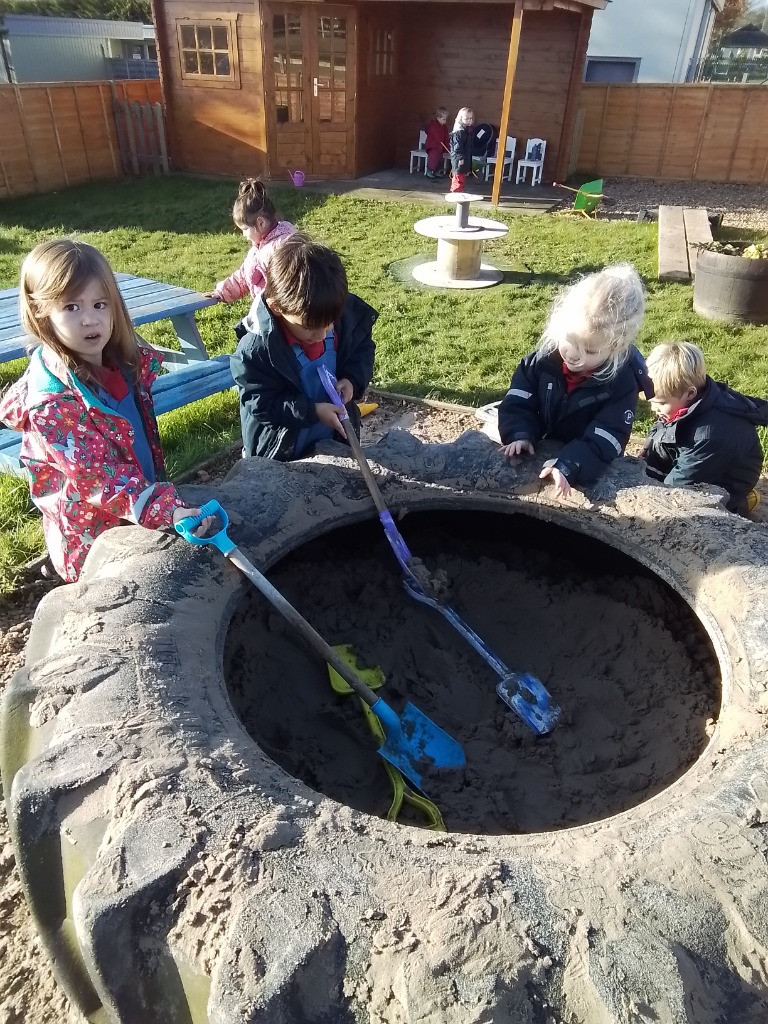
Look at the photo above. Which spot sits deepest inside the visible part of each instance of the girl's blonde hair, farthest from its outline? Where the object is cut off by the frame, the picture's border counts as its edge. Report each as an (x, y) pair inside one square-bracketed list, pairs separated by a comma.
[(252, 202), (462, 118), (675, 367), (605, 308), (61, 268)]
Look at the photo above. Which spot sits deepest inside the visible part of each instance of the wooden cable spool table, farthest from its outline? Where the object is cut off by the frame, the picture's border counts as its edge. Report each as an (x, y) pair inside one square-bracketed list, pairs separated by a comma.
[(459, 247)]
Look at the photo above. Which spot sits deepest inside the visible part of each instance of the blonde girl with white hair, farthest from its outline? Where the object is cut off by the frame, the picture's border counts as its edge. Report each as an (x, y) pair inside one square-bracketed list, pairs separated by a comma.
[(581, 384), (461, 148)]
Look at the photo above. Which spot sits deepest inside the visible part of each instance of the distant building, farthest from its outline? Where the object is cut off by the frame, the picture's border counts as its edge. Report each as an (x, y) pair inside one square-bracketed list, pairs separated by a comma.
[(650, 40), (749, 41), (43, 49)]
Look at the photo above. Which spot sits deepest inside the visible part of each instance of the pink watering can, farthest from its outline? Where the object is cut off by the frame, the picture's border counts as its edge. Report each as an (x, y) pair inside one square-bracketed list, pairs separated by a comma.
[(297, 177)]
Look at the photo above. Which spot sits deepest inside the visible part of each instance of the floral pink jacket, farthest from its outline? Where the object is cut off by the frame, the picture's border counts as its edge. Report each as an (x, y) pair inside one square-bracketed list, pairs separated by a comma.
[(250, 278), (83, 473)]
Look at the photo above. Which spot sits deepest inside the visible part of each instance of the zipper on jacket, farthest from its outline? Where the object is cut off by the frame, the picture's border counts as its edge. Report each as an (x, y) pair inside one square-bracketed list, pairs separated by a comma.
[(547, 406)]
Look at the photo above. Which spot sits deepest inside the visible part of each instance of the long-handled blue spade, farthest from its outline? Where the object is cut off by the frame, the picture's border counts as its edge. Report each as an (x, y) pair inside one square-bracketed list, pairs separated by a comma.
[(412, 741), (525, 694)]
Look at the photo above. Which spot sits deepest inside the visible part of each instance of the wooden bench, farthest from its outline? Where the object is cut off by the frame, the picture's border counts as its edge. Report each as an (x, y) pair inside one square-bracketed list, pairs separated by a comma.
[(170, 391), (681, 230)]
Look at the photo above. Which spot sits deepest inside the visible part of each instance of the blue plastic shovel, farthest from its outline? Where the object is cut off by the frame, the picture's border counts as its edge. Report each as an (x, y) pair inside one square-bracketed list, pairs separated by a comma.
[(525, 694), (412, 741)]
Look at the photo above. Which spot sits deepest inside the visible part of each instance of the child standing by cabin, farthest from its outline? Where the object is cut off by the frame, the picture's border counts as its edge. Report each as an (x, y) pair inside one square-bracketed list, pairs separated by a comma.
[(305, 318), (581, 384), (437, 144), (84, 406), (254, 214), (461, 148), (706, 432)]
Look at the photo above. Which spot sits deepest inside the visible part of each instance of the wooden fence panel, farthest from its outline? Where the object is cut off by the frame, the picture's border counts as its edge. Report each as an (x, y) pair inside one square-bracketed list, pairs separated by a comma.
[(64, 133), (700, 132)]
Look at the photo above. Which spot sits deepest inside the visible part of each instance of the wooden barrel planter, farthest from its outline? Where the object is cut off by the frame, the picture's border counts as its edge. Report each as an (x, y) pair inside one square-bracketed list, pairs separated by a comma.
[(731, 288)]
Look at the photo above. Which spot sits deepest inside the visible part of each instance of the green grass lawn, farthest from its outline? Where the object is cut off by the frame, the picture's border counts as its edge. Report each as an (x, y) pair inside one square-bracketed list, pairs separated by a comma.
[(456, 346)]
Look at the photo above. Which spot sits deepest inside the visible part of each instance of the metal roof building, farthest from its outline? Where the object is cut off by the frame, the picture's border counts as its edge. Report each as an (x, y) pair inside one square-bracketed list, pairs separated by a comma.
[(45, 49)]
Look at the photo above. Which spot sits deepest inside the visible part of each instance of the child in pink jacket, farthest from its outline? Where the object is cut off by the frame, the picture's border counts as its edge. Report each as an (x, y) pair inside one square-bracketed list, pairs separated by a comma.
[(254, 214)]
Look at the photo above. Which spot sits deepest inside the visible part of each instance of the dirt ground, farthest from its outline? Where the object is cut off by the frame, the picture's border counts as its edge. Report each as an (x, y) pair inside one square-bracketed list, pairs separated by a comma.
[(28, 992)]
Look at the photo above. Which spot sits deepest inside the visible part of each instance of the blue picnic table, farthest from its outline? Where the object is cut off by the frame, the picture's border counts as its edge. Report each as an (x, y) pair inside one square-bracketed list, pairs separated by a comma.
[(146, 301)]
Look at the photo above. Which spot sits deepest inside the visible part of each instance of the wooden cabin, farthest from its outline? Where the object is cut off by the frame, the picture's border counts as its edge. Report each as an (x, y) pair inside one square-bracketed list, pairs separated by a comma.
[(339, 91)]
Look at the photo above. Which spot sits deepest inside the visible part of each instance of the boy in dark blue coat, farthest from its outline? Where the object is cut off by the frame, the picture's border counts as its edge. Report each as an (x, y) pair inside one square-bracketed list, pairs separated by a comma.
[(581, 384), (706, 432), (306, 317)]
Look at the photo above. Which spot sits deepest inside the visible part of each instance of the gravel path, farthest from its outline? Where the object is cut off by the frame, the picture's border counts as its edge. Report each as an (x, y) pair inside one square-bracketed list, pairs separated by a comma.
[(744, 206)]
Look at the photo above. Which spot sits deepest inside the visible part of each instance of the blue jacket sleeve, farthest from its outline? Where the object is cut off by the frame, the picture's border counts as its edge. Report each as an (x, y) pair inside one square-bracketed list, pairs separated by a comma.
[(265, 393), (356, 348), (519, 414), (706, 460)]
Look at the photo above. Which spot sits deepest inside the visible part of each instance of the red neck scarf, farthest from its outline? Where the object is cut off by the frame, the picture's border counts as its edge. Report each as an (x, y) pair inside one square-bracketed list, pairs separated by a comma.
[(572, 379)]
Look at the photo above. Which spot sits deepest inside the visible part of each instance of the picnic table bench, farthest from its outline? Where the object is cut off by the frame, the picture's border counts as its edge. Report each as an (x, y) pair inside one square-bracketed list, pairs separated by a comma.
[(146, 301), (682, 230)]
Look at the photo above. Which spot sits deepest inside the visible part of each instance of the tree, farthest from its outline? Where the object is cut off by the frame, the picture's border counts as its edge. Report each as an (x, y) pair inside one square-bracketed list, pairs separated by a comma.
[(111, 10), (731, 16)]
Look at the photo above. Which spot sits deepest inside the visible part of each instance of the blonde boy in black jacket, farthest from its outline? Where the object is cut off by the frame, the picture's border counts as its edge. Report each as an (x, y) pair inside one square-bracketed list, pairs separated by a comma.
[(706, 432)]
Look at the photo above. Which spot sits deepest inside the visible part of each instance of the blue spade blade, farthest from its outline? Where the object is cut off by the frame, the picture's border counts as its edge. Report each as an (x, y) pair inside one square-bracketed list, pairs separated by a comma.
[(414, 744), (532, 702)]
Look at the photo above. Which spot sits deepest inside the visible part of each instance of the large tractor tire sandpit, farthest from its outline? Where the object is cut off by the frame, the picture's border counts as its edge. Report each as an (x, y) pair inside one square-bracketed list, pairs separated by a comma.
[(181, 870)]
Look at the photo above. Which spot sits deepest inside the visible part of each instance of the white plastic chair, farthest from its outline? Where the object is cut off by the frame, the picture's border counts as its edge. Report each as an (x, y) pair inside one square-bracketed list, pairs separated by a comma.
[(419, 154), (534, 158), (508, 162)]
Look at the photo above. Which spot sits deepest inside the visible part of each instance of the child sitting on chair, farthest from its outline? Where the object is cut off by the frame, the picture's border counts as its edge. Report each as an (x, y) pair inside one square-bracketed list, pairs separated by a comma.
[(580, 386), (306, 317), (461, 148), (437, 143), (706, 432), (254, 214)]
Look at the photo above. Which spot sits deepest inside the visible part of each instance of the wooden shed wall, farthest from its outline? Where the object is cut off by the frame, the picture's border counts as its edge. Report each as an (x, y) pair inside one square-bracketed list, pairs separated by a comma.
[(690, 132), (452, 55), (214, 130), (377, 96)]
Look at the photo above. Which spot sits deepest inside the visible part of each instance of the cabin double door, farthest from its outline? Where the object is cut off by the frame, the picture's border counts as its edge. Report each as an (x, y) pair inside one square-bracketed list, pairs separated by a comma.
[(309, 71)]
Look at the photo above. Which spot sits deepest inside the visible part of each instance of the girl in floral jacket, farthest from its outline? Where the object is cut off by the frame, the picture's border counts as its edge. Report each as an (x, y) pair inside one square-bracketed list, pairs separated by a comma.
[(84, 406), (254, 215)]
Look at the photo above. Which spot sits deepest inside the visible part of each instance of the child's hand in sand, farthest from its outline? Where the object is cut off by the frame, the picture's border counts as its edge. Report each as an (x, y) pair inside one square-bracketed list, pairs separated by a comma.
[(516, 448), (562, 487)]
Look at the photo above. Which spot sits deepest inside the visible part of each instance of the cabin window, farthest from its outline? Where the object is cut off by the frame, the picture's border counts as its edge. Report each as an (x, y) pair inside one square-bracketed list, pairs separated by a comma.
[(288, 68), (331, 82), (383, 55), (208, 52)]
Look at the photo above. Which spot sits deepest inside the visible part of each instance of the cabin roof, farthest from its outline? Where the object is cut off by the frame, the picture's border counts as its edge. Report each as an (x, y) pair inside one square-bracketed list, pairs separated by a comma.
[(528, 5)]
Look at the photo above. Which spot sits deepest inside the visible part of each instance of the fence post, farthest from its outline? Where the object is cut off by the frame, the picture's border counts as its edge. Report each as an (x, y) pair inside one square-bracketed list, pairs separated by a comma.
[(131, 140), (160, 123), (148, 123)]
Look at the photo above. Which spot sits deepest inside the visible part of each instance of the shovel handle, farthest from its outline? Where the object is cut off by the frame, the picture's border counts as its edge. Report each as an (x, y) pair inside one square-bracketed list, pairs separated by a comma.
[(310, 635), (329, 383), (219, 539)]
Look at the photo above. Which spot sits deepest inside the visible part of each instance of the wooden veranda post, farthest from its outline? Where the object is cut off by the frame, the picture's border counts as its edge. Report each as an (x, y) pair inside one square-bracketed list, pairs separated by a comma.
[(506, 104), (574, 88)]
